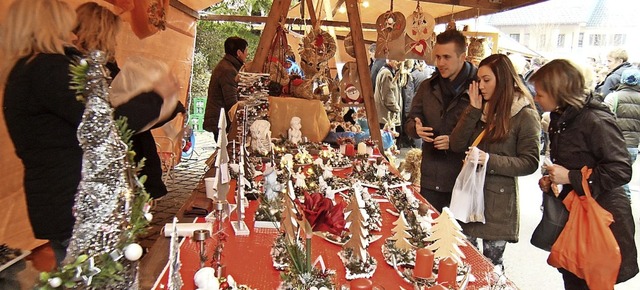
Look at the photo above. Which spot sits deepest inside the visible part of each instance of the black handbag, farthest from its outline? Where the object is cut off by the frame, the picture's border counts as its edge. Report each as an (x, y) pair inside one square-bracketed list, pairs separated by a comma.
[(554, 217)]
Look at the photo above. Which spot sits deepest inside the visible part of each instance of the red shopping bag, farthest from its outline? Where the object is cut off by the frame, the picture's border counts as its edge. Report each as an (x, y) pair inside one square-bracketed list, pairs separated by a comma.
[(586, 246)]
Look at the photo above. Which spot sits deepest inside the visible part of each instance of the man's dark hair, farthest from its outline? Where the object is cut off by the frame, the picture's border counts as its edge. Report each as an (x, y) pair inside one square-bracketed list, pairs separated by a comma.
[(233, 43), (455, 36)]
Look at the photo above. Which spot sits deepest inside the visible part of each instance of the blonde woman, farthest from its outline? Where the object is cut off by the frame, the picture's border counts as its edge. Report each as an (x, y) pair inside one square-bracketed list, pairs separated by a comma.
[(96, 28), (42, 113), (583, 132)]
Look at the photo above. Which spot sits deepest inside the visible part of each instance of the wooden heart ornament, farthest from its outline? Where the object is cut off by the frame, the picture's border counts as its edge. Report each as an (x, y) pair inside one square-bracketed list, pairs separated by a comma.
[(391, 25), (421, 25), (420, 47)]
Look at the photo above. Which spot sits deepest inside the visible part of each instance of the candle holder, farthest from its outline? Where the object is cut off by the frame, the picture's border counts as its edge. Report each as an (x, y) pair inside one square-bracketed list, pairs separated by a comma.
[(199, 236)]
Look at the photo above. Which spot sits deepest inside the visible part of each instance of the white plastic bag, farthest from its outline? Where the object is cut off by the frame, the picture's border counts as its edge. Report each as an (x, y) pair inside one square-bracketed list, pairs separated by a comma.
[(467, 197)]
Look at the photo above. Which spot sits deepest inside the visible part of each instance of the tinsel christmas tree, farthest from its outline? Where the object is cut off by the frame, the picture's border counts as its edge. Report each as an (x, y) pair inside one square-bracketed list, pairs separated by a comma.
[(110, 199)]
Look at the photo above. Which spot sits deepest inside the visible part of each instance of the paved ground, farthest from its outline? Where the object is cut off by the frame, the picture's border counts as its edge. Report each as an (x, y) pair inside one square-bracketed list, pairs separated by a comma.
[(525, 264)]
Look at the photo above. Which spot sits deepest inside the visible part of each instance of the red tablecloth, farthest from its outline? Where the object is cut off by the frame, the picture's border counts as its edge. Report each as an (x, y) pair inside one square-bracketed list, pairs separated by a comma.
[(248, 259)]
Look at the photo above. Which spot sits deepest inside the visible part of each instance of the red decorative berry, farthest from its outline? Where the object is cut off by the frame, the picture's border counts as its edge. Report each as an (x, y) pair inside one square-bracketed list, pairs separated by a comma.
[(224, 285)]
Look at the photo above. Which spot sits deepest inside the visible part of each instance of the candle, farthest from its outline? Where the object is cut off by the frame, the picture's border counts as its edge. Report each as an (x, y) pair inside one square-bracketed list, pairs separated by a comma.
[(424, 264), (361, 284), (362, 148), (447, 272), (349, 150)]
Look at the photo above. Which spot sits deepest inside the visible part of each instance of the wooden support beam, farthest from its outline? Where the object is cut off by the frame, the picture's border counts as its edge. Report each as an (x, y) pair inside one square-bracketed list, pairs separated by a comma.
[(312, 13), (465, 14), (485, 4), (335, 9), (479, 7), (278, 12), (184, 8), (262, 19), (362, 60)]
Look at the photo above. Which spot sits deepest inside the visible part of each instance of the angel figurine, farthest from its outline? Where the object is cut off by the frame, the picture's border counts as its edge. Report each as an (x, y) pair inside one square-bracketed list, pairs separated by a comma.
[(327, 171), (300, 179), (295, 135), (271, 185), (261, 136)]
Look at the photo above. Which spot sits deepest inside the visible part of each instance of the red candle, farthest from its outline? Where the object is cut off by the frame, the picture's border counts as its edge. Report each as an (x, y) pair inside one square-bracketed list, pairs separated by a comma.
[(361, 284), (447, 272), (349, 150), (424, 263)]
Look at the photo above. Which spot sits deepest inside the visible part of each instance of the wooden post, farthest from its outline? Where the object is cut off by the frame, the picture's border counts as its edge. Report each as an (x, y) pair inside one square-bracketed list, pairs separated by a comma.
[(312, 13), (278, 13), (362, 60)]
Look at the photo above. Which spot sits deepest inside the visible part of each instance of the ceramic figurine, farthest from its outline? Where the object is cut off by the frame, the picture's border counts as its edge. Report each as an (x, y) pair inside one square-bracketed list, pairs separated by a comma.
[(261, 136), (295, 135)]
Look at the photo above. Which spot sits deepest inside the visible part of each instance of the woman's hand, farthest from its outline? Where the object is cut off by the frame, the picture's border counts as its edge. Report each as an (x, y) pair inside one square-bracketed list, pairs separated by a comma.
[(475, 98), (545, 183), (558, 174), (482, 156)]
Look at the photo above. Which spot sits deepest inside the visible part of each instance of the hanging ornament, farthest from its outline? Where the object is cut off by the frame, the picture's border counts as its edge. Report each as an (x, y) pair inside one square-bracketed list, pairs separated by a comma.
[(148, 216), (421, 25), (391, 30), (133, 252), (348, 45)]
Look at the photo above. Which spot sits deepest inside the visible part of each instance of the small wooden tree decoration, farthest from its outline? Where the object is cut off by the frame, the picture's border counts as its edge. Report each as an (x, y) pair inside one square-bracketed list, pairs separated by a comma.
[(359, 234), (400, 233), (289, 222), (447, 236), (357, 261)]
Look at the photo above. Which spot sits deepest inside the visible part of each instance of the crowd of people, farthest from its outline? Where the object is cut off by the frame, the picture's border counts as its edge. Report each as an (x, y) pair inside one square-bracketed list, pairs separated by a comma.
[(491, 107)]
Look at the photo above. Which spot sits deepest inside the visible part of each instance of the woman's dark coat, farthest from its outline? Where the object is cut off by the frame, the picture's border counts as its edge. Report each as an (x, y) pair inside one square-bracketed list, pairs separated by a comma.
[(517, 155), (590, 136), (42, 117)]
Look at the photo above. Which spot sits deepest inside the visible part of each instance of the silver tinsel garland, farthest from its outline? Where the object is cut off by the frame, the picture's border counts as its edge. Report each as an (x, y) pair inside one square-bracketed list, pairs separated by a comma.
[(103, 202)]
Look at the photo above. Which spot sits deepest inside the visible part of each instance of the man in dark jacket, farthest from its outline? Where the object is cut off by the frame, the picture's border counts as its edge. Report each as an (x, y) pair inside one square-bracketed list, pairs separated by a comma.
[(435, 110), (223, 87), (617, 63)]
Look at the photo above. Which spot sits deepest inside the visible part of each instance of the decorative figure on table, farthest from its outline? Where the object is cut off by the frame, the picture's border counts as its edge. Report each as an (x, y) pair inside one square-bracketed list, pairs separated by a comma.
[(222, 177), (261, 137), (327, 171), (240, 227), (300, 179), (447, 237), (381, 170), (205, 279), (271, 185), (175, 279), (295, 135), (354, 255), (105, 180)]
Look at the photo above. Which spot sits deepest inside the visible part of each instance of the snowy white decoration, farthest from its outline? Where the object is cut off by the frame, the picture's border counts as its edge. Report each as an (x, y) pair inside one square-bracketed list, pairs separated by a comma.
[(205, 279), (133, 252)]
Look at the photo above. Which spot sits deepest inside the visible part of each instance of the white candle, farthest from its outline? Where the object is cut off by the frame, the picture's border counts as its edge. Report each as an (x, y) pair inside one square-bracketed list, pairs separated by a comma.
[(362, 148)]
